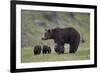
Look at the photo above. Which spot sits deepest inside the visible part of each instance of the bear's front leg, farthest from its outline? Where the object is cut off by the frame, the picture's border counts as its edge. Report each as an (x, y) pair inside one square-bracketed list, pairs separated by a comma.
[(59, 49)]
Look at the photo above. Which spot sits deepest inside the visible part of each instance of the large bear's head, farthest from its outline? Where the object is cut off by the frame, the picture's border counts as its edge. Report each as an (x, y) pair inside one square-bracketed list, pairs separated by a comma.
[(47, 34), (51, 33)]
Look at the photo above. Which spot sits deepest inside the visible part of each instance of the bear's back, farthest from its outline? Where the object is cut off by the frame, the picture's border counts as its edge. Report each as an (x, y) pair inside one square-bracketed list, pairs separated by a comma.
[(69, 33)]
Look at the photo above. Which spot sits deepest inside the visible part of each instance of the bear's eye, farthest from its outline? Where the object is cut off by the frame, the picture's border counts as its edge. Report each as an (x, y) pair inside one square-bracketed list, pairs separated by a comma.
[(50, 32)]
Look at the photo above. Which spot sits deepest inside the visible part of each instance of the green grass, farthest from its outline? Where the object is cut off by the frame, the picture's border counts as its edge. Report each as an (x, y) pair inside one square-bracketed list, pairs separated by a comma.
[(28, 56)]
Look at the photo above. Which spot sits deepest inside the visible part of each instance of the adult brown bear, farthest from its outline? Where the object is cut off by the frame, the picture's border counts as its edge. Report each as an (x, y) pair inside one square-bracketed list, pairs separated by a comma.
[(62, 36)]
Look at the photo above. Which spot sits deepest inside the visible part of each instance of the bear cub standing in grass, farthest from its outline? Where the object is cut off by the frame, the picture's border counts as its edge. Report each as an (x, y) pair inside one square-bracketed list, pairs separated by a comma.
[(62, 36), (46, 49), (37, 50)]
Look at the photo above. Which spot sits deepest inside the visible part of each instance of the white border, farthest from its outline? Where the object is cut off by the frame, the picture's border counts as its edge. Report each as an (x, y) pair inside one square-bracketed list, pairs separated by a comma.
[(51, 64)]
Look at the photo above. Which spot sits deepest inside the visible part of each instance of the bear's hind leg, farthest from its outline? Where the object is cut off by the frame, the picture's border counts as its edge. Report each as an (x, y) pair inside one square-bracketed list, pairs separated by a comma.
[(73, 48)]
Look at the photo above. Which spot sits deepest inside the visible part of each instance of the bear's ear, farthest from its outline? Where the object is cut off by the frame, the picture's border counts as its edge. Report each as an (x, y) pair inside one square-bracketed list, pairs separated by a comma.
[(46, 30), (49, 30)]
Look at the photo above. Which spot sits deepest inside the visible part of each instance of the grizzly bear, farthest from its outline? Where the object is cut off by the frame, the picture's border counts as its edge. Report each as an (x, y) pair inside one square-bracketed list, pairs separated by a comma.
[(37, 50), (59, 49), (46, 49), (62, 36)]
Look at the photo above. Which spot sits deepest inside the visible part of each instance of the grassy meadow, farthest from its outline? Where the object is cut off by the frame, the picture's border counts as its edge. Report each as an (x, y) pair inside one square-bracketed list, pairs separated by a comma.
[(33, 25), (28, 56)]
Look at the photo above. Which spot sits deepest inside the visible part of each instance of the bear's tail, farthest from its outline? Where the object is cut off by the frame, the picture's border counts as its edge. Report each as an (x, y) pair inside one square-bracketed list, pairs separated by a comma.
[(82, 40)]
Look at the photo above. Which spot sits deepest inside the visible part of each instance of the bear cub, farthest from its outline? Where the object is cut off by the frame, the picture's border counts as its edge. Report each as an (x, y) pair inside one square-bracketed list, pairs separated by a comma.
[(46, 49), (37, 50)]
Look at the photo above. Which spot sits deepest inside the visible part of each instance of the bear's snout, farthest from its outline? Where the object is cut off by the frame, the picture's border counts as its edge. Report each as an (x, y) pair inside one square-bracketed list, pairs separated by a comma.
[(43, 38)]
